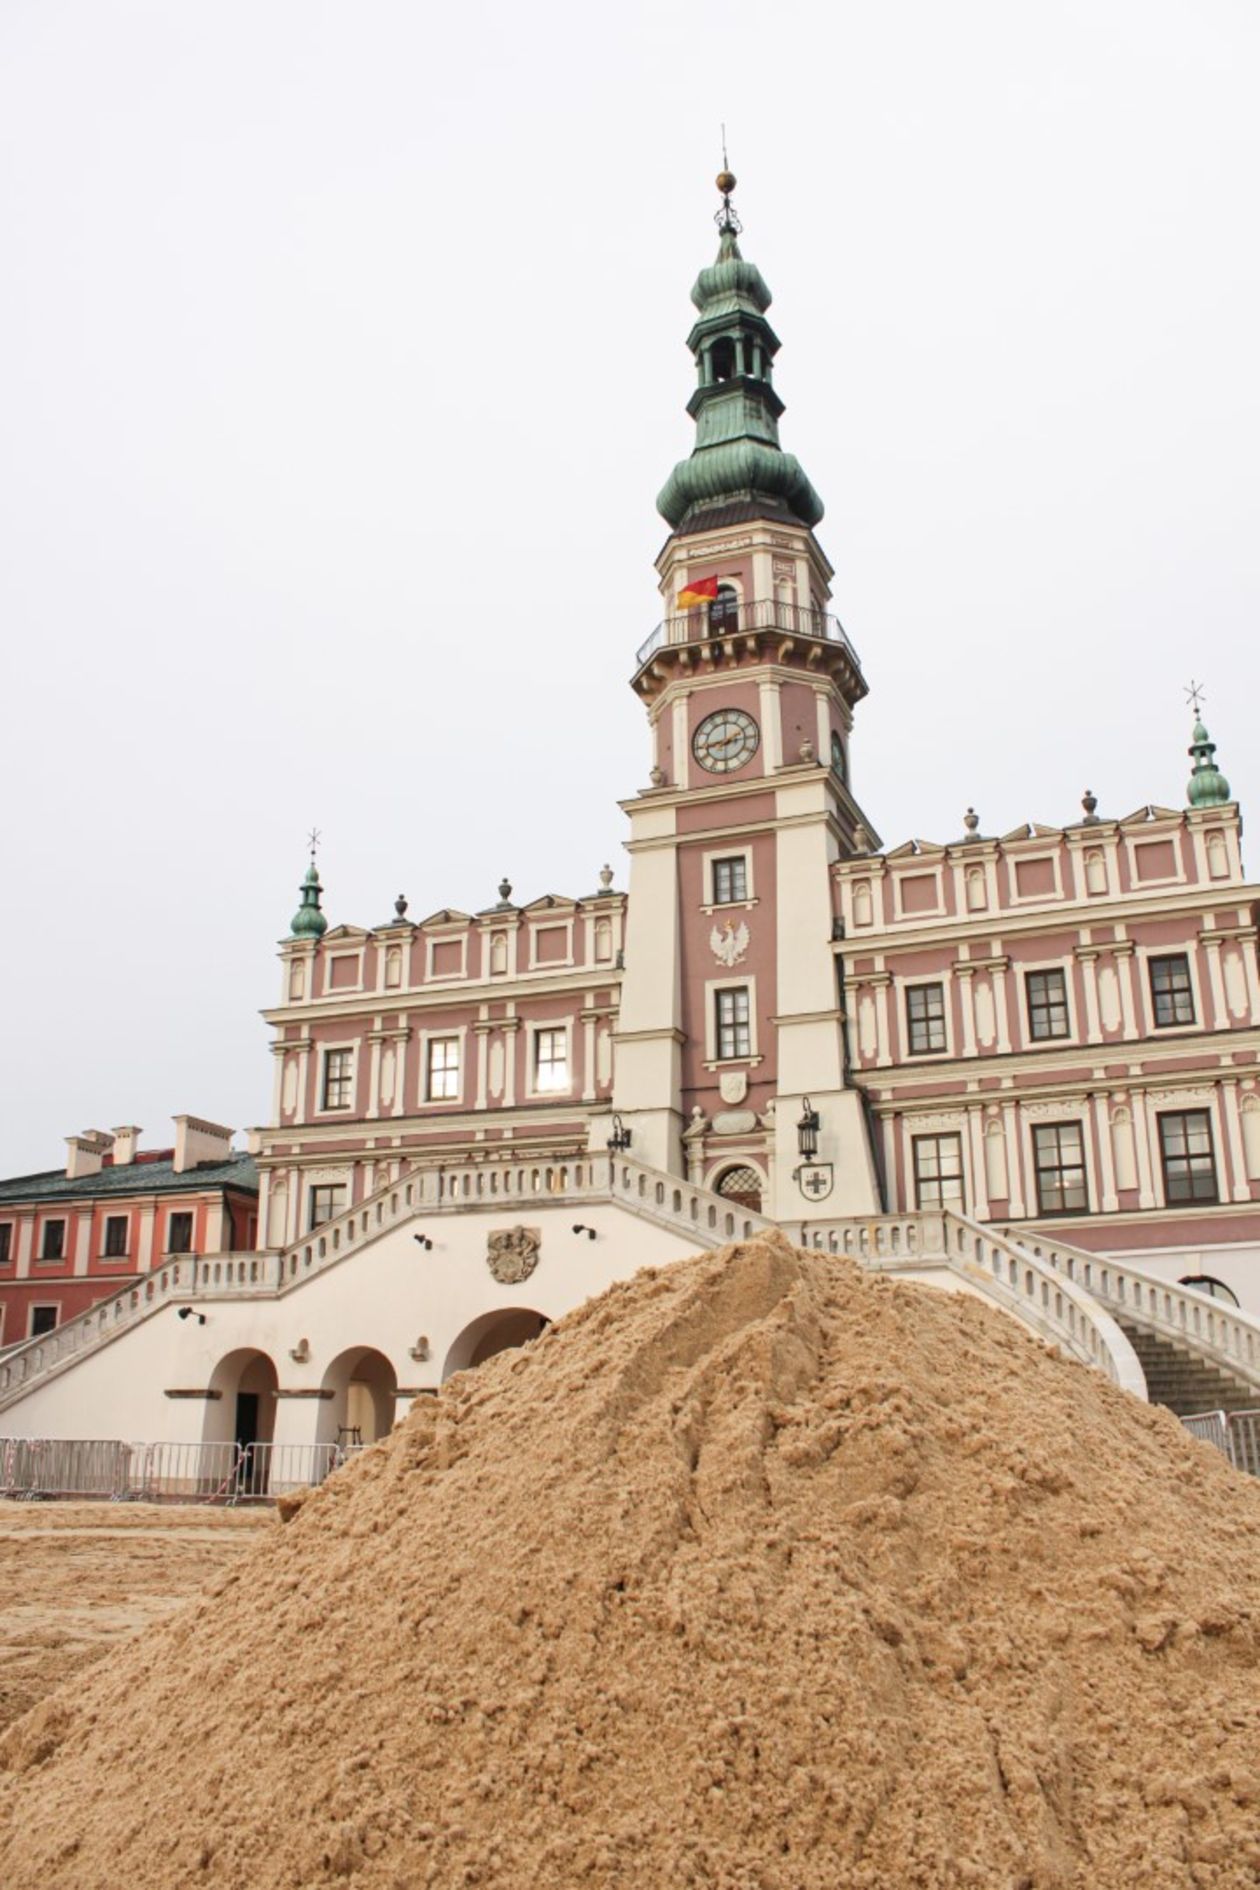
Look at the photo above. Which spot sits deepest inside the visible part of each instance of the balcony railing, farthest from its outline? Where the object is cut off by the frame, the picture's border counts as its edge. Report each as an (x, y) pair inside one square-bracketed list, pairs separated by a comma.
[(706, 625)]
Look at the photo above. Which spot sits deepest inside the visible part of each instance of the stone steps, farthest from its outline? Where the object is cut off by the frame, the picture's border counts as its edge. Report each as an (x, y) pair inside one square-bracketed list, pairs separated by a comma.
[(1184, 1383)]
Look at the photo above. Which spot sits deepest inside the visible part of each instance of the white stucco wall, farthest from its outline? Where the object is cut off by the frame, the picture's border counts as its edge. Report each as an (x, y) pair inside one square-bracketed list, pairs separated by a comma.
[(384, 1296)]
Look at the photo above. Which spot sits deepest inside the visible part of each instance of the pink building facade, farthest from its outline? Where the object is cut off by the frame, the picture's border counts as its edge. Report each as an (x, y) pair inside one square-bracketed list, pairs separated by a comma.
[(72, 1237)]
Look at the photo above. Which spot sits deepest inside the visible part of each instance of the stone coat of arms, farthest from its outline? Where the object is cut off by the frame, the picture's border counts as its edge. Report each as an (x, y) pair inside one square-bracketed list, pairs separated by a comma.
[(729, 945), (512, 1254)]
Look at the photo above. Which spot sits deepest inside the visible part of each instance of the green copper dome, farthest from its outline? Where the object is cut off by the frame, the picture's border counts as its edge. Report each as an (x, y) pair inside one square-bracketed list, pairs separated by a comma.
[(1208, 786), (737, 455), (730, 283), (308, 920)]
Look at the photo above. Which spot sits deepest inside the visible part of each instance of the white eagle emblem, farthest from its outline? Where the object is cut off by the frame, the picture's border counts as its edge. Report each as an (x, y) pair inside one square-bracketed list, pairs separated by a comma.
[(729, 944)]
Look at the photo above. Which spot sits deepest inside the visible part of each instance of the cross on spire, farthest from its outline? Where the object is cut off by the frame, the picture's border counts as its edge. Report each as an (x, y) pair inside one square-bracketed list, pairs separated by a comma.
[(313, 839), (1196, 695)]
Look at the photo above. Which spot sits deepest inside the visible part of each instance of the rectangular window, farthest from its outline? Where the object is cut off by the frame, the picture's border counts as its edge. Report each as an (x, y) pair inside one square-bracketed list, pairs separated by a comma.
[(730, 880), (734, 1032), (551, 1060), (6, 1241), (179, 1233), (1059, 1159), (1172, 994), (925, 1017), (1046, 992), (115, 1236), (938, 1175), (338, 1078), (53, 1246), (43, 1319), (1185, 1148), (443, 1076), (327, 1202)]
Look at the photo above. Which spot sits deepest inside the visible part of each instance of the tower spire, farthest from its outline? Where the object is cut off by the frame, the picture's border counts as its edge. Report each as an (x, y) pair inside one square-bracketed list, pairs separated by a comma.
[(1207, 785), (309, 920), (737, 458)]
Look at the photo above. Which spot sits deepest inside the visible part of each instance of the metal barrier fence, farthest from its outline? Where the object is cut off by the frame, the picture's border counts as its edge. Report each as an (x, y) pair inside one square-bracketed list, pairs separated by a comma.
[(1236, 1434), (33, 1467)]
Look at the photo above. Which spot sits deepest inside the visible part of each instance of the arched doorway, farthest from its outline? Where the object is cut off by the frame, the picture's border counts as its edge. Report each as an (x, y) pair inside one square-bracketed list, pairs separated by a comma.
[(244, 1412), (724, 610), (361, 1409), (742, 1185), (493, 1332)]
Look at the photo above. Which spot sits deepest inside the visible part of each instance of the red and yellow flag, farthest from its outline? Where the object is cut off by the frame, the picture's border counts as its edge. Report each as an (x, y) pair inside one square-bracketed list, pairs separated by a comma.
[(699, 591)]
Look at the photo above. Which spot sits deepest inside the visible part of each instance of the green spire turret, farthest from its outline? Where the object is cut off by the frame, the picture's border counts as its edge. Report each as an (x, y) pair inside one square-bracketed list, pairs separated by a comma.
[(1208, 786), (737, 455), (308, 920)]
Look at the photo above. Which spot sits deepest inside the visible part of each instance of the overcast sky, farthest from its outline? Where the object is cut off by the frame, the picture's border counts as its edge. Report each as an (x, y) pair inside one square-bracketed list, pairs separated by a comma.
[(341, 360)]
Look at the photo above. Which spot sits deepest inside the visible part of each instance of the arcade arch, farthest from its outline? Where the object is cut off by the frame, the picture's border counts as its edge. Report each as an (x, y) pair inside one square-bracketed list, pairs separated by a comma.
[(494, 1332), (362, 1406), (244, 1412)]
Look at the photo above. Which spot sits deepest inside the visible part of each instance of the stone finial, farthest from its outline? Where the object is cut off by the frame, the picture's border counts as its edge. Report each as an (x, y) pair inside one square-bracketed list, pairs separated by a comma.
[(400, 907), (657, 775), (1089, 801), (605, 879), (505, 892), (971, 821), (808, 752)]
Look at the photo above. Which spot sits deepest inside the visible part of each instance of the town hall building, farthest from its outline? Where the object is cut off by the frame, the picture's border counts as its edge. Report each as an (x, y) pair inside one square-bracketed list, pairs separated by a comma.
[(1025, 1064)]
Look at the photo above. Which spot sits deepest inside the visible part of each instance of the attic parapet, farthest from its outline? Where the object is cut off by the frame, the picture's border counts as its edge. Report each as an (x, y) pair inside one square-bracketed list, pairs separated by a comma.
[(1153, 853), (454, 951)]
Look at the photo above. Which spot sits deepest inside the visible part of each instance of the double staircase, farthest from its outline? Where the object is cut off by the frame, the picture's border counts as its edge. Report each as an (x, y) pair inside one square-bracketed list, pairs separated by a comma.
[(1155, 1338)]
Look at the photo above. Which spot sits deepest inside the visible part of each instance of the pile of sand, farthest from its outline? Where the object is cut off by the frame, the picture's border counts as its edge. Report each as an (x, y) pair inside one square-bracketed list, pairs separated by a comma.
[(754, 1573)]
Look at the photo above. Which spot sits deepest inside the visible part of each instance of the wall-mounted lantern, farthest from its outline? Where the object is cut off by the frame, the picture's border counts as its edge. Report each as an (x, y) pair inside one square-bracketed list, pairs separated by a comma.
[(619, 1140)]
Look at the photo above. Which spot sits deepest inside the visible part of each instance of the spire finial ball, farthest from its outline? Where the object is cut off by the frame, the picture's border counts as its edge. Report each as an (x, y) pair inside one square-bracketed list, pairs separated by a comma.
[(726, 182)]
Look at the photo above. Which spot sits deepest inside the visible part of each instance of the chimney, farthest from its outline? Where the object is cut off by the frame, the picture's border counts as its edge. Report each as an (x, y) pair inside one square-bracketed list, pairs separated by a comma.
[(125, 1141), (85, 1153), (197, 1141)]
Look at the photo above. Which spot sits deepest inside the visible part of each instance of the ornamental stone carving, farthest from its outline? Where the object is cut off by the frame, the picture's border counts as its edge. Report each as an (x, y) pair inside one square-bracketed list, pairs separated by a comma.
[(512, 1254)]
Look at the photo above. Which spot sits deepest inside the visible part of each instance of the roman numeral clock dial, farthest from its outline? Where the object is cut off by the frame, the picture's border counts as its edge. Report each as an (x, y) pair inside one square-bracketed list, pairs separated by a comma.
[(725, 740)]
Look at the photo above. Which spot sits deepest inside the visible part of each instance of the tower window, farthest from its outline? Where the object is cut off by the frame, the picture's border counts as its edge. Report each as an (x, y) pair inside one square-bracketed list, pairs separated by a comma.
[(54, 1245), (724, 610), (734, 1034), (116, 1226), (730, 880), (722, 359)]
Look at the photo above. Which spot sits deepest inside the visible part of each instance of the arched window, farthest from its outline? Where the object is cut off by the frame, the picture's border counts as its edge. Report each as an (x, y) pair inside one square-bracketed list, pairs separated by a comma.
[(724, 610), (742, 1185), (722, 358), (1215, 1289), (498, 954)]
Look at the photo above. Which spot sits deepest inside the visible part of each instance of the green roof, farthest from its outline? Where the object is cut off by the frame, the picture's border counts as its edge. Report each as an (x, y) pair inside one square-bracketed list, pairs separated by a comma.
[(134, 1178)]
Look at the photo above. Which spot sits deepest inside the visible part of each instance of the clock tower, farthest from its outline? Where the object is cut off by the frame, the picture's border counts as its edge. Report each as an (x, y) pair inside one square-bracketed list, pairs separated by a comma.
[(731, 1033)]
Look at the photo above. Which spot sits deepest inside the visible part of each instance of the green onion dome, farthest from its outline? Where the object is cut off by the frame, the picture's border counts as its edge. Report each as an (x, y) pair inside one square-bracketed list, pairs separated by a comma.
[(308, 920), (1208, 786)]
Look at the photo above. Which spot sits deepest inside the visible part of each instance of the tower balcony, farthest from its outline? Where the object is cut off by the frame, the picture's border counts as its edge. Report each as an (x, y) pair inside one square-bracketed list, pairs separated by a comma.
[(764, 629)]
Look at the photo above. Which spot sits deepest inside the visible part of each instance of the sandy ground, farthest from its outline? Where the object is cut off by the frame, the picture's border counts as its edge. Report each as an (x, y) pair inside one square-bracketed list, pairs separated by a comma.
[(76, 1578)]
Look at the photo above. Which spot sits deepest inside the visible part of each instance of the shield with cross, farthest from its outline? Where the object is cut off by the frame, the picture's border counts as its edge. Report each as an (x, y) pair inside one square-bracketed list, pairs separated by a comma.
[(815, 1179)]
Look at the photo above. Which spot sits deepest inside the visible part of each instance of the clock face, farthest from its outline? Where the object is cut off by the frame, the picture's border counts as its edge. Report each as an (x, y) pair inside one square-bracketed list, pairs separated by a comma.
[(837, 754), (725, 740)]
